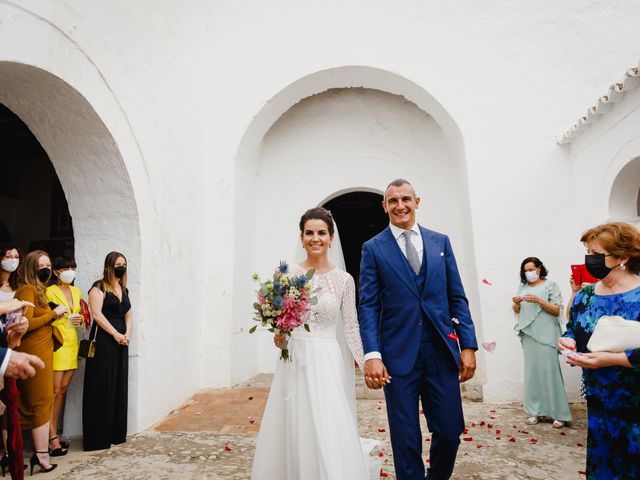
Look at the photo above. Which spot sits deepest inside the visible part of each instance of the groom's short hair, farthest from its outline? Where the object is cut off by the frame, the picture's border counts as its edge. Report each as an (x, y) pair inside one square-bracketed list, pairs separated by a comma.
[(398, 182)]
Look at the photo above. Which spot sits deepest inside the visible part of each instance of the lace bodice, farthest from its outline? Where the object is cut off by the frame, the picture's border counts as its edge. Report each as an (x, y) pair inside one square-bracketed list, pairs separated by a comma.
[(336, 307)]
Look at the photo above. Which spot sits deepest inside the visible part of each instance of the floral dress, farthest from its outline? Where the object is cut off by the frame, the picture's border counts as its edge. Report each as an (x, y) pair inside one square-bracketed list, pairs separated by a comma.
[(613, 393)]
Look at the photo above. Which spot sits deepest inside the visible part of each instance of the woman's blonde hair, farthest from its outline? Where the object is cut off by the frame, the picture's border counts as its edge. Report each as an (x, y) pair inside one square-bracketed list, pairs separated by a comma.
[(30, 267), (619, 239)]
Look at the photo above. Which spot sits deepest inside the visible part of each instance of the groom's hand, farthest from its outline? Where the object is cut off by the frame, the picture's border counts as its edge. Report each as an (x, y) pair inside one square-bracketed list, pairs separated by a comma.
[(467, 364), (375, 374)]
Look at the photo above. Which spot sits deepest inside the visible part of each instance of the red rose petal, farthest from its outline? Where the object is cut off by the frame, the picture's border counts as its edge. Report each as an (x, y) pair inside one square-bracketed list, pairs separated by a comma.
[(498, 431), (381, 454), (227, 447), (467, 439), (579, 445), (492, 417), (250, 398), (473, 424), (479, 445), (582, 472), (482, 422), (383, 474), (563, 433), (382, 430), (486, 282), (512, 440), (497, 438), (533, 440), (524, 432), (493, 410), (489, 425), (465, 431), (421, 412), (453, 337), (379, 408)]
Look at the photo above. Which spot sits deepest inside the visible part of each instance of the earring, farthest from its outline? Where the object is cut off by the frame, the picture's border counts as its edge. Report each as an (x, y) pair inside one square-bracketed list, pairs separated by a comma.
[(622, 266)]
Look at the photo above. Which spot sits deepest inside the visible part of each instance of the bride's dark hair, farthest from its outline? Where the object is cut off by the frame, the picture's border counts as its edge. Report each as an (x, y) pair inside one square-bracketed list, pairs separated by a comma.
[(317, 213)]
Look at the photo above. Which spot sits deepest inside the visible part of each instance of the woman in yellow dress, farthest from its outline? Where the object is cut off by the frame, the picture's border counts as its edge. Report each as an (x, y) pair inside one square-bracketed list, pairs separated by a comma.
[(65, 359)]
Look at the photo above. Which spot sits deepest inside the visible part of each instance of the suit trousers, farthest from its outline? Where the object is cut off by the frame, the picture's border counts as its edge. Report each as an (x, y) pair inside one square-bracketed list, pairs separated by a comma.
[(434, 381)]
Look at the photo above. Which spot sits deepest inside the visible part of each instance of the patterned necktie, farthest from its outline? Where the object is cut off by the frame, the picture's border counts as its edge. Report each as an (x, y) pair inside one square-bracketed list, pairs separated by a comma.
[(412, 253)]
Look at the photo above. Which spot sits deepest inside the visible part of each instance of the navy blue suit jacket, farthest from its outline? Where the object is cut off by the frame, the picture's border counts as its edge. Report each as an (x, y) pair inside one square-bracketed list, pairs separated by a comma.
[(392, 309)]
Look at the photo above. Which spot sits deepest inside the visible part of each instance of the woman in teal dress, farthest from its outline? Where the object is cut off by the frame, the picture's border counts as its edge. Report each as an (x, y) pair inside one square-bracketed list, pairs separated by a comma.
[(611, 379), (538, 304)]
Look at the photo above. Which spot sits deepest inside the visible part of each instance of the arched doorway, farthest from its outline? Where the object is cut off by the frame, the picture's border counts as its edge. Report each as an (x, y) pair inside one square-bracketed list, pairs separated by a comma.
[(342, 130), (84, 178), (35, 213), (359, 216)]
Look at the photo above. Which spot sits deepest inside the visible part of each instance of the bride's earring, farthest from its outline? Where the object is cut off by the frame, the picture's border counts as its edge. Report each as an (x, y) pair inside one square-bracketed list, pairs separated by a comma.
[(622, 266)]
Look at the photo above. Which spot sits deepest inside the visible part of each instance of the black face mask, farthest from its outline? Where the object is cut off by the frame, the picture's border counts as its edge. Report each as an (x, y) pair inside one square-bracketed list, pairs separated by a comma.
[(44, 274), (596, 266), (119, 271)]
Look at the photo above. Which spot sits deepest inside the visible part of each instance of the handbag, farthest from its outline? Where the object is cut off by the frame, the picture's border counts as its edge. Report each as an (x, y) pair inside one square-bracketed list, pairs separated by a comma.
[(58, 337), (87, 348), (614, 334)]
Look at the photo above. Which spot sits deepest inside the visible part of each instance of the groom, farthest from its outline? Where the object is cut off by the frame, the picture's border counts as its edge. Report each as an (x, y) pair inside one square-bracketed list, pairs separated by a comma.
[(413, 312)]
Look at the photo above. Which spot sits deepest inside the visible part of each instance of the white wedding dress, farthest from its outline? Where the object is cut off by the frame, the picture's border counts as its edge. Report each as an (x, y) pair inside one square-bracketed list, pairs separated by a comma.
[(309, 429)]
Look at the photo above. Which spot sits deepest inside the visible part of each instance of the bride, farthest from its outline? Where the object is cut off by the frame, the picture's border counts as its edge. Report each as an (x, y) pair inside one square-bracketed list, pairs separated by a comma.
[(309, 429)]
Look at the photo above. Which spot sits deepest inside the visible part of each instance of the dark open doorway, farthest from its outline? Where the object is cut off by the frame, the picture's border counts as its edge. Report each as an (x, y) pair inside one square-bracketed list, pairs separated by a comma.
[(359, 216), (33, 209)]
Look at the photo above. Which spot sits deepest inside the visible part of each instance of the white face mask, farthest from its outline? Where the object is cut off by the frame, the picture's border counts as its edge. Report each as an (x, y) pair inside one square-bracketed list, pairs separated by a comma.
[(68, 276), (10, 264), (532, 276)]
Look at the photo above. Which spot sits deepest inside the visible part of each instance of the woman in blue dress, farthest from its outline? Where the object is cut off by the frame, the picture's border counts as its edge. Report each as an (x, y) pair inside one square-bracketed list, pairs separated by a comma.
[(611, 380)]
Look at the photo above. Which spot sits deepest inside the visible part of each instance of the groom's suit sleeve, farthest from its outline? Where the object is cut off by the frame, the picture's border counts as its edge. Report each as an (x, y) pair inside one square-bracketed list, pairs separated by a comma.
[(369, 303), (458, 303)]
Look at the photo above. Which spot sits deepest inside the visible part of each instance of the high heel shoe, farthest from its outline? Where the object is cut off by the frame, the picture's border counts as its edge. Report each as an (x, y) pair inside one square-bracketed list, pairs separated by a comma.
[(35, 460), (61, 451)]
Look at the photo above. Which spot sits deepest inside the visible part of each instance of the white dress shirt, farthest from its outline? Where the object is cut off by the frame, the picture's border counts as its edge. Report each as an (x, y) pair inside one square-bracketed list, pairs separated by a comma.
[(416, 240)]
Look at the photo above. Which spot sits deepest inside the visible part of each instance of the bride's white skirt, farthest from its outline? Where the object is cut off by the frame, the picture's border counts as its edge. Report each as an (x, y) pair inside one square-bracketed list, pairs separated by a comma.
[(309, 428)]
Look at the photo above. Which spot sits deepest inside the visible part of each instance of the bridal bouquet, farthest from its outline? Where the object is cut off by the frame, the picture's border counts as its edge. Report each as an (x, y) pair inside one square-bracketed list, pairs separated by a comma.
[(282, 302)]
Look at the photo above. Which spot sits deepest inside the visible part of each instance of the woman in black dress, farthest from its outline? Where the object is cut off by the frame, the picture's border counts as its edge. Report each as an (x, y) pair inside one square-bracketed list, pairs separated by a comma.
[(104, 406)]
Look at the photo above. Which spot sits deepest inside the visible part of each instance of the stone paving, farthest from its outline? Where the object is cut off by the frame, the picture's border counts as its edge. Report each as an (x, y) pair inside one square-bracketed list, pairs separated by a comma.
[(212, 436)]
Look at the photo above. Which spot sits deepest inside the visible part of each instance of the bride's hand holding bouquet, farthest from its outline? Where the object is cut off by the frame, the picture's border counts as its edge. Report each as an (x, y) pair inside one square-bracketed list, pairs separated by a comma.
[(282, 302)]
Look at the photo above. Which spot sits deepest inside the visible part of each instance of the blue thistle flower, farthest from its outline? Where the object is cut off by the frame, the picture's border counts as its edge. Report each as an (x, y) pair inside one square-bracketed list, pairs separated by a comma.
[(299, 282), (283, 268), (277, 302)]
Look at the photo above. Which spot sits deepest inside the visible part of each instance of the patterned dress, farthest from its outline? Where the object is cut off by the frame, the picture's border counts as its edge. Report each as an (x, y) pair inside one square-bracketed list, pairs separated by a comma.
[(613, 393)]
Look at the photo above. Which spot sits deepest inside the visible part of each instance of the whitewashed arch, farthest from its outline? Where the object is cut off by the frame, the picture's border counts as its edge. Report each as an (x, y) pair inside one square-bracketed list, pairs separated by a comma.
[(622, 182), (61, 95), (249, 157)]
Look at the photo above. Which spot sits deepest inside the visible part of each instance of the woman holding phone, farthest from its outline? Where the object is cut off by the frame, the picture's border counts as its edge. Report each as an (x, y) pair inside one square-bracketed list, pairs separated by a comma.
[(538, 304), (65, 359)]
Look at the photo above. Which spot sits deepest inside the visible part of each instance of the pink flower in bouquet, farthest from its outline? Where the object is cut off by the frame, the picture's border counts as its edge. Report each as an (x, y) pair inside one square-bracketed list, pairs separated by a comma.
[(292, 312), (261, 298)]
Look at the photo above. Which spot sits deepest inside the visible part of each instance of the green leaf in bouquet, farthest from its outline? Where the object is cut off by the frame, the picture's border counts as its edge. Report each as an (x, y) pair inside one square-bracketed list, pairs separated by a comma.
[(313, 301), (310, 273), (256, 306), (253, 329), (264, 290), (271, 330), (306, 327)]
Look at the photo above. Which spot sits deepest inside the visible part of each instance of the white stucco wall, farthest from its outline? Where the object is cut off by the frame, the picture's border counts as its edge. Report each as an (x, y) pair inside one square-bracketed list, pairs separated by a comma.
[(185, 92)]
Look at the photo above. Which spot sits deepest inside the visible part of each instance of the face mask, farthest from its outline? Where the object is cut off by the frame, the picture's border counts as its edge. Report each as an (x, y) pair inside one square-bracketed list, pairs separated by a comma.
[(532, 276), (119, 271), (68, 276), (44, 274), (596, 266), (10, 264)]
